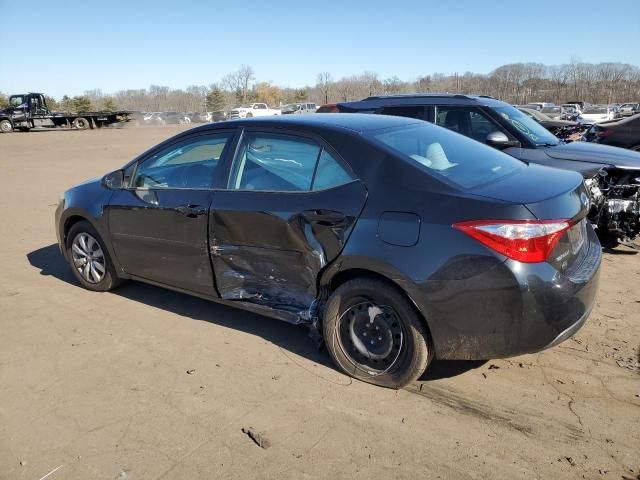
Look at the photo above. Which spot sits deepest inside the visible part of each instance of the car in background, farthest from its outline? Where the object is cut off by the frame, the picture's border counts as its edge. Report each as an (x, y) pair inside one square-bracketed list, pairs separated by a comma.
[(563, 129), (249, 110), (609, 171), (298, 108), (560, 112), (577, 108), (624, 133), (327, 108), (393, 239), (596, 114), (629, 109)]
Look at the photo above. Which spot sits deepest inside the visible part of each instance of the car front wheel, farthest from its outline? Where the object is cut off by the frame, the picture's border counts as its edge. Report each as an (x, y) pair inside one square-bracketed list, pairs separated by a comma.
[(89, 259), (373, 333)]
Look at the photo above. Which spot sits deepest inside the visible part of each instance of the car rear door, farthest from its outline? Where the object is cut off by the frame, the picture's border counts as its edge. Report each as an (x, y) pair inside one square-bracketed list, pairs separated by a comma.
[(158, 225), (290, 205)]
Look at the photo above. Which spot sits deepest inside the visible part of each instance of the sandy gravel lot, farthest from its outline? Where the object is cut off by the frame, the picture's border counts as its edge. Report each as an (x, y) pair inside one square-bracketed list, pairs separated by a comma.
[(97, 384)]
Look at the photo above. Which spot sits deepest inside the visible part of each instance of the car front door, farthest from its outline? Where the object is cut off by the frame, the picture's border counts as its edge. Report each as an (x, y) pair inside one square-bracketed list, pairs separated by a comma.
[(158, 225), (469, 121), (288, 210)]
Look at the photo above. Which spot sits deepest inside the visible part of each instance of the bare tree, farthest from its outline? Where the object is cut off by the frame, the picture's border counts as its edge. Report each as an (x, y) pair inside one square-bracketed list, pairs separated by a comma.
[(324, 84)]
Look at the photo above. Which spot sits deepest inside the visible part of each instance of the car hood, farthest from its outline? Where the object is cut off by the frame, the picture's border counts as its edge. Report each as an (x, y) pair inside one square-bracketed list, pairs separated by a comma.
[(557, 123), (594, 153)]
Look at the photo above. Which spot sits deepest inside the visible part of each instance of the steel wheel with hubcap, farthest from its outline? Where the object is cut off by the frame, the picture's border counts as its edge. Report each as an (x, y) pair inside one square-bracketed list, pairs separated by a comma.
[(89, 259), (374, 333), (5, 126)]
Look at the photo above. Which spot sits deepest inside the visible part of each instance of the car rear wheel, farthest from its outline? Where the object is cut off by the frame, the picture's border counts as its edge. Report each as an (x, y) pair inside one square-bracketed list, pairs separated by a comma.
[(373, 333), (89, 259)]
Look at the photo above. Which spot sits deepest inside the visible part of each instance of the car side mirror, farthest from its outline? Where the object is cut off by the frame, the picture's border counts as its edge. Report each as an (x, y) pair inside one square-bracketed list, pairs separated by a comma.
[(114, 180), (499, 140)]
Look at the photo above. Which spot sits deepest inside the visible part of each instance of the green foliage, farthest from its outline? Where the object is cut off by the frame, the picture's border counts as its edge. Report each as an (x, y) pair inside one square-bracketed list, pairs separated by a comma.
[(109, 104), (66, 104), (82, 103), (215, 100), (300, 95), (52, 104), (4, 101)]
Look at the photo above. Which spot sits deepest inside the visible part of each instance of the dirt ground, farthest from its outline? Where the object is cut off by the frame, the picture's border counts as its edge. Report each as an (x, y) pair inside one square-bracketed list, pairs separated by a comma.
[(144, 383)]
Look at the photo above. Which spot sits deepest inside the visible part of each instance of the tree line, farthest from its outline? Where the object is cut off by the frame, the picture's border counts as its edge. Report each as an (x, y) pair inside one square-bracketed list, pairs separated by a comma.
[(517, 83)]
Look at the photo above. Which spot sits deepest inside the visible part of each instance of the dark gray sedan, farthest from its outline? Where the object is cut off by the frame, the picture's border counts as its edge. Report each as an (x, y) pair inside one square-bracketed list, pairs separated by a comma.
[(394, 240)]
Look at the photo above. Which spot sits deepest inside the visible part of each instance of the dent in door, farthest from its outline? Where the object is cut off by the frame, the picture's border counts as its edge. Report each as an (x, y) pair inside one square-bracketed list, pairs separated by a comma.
[(284, 279)]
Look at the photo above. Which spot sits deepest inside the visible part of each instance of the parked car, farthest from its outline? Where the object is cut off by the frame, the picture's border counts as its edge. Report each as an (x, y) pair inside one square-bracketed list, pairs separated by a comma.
[(596, 114), (623, 133), (577, 108), (249, 110), (609, 171), (560, 112), (327, 108), (299, 108), (563, 129), (628, 109), (382, 234)]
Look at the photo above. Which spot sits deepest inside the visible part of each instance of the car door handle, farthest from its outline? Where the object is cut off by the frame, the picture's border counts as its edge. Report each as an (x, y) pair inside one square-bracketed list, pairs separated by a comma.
[(191, 211), (326, 218)]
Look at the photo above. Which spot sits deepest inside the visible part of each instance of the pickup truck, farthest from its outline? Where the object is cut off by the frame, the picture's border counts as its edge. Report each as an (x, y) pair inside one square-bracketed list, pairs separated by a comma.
[(29, 110), (249, 110)]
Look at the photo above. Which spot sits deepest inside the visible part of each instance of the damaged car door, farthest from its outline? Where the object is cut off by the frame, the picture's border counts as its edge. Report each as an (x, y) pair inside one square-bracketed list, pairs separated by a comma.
[(288, 210)]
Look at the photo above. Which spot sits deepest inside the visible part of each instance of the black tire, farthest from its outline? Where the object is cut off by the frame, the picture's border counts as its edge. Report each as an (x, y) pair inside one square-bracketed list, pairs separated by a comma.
[(249, 115), (81, 123), (109, 279), (386, 308), (5, 126)]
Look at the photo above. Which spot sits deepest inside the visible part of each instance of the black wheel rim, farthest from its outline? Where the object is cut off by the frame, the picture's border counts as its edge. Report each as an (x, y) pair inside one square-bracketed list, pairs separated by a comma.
[(371, 336)]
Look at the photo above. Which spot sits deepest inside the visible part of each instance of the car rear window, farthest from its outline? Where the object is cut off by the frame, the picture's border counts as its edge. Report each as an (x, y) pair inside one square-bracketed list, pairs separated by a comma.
[(447, 155)]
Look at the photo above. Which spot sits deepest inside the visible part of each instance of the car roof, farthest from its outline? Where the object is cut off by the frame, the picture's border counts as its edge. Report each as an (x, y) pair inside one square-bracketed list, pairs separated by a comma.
[(331, 121), (422, 99)]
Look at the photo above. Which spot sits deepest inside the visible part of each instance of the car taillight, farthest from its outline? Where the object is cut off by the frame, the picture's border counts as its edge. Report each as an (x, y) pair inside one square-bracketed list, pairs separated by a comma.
[(527, 241)]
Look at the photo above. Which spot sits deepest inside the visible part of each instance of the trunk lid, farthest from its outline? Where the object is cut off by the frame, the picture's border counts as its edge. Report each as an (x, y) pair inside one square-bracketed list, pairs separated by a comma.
[(549, 194)]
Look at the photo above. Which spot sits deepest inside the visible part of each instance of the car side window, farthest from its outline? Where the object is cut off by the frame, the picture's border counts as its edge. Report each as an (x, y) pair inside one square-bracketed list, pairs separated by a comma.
[(274, 162), (188, 164), (406, 111), (284, 163), (467, 121), (329, 173)]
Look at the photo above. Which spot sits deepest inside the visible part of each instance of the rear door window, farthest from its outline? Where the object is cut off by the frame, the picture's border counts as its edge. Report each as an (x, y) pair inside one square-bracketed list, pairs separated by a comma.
[(283, 163), (406, 111)]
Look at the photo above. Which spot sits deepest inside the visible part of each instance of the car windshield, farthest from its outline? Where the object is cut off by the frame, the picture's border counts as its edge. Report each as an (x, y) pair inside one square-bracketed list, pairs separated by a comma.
[(447, 155), (246, 105), (535, 132)]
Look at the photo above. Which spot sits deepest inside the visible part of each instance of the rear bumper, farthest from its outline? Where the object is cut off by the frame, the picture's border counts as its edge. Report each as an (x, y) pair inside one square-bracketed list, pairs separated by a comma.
[(512, 309)]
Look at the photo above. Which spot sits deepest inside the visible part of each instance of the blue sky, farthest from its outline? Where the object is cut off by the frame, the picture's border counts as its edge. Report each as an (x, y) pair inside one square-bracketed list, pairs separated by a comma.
[(67, 47)]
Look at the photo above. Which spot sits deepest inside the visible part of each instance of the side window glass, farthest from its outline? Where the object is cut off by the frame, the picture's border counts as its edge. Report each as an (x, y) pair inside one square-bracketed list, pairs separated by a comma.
[(329, 173), (274, 163), (190, 164), (470, 122), (410, 112)]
